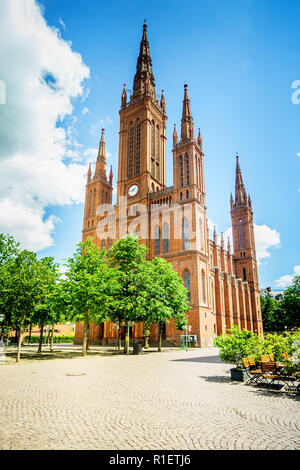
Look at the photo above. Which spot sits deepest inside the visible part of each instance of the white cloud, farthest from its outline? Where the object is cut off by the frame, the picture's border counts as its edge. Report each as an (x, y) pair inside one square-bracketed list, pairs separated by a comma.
[(41, 163), (85, 110), (285, 281), (265, 239), (96, 128)]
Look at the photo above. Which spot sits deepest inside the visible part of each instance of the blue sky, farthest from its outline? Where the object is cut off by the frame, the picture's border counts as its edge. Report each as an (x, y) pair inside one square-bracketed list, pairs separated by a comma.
[(239, 59)]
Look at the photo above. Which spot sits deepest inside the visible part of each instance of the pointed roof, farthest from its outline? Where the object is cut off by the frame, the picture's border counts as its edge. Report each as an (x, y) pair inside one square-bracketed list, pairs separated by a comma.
[(240, 192), (101, 160), (187, 126), (144, 69)]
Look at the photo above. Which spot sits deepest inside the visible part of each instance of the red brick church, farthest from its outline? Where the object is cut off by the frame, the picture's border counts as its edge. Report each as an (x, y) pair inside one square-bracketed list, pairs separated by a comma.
[(171, 220)]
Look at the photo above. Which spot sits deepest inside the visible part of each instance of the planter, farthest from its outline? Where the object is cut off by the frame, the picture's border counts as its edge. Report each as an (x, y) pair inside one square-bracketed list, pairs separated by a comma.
[(238, 375)]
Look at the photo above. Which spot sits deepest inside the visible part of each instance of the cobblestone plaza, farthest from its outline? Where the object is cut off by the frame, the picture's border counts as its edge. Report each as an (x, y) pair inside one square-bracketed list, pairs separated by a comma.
[(169, 400)]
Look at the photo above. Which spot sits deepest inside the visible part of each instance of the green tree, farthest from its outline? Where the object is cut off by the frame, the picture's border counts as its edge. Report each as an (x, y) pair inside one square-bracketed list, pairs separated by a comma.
[(164, 296), (44, 313), (128, 259), (290, 305), (271, 314), (89, 287), (22, 290)]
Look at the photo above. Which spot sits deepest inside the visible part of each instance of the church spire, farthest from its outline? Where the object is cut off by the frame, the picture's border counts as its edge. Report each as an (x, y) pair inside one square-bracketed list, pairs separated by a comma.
[(240, 192), (187, 126), (144, 79), (101, 160), (175, 136)]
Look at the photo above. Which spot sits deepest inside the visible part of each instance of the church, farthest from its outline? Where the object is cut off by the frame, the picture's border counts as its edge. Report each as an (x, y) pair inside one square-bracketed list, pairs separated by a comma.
[(171, 221)]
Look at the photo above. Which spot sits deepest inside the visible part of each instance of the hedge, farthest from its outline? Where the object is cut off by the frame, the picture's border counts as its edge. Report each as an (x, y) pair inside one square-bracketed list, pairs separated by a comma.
[(56, 339)]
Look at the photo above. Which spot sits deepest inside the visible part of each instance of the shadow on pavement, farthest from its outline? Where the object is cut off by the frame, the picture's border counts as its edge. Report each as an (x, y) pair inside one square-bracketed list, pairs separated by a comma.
[(203, 359)]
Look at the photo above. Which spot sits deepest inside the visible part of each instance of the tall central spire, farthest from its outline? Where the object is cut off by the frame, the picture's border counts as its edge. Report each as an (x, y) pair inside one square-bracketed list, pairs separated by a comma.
[(144, 82), (187, 125), (240, 191), (100, 171)]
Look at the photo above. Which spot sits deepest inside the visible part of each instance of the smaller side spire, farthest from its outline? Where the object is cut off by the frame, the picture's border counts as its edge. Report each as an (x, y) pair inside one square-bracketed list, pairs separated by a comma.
[(222, 241), (100, 171), (199, 140), (175, 136), (228, 246), (124, 97), (111, 176), (215, 235), (163, 102), (89, 173)]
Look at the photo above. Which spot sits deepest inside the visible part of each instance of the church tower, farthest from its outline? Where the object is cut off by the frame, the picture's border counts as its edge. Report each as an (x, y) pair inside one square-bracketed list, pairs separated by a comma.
[(244, 244), (99, 190), (142, 144)]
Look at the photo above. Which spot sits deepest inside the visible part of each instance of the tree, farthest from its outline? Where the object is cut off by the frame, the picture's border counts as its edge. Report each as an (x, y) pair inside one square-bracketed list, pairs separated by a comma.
[(164, 296), (271, 314), (128, 259), (44, 313), (22, 289), (290, 305), (89, 287)]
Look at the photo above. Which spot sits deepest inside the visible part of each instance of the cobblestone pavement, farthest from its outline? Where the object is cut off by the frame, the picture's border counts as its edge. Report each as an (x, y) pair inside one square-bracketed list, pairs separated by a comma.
[(172, 400)]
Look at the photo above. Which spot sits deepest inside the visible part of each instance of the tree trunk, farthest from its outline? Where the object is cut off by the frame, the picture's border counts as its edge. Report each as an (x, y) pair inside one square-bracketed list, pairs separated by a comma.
[(2, 332), (51, 344), (20, 339), (88, 337), (48, 337), (159, 337), (41, 338), (85, 335), (126, 343), (119, 336), (29, 337), (7, 337)]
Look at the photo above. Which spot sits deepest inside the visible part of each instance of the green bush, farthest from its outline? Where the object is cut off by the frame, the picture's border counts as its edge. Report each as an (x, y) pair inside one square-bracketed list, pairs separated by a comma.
[(277, 344), (56, 339), (238, 344)]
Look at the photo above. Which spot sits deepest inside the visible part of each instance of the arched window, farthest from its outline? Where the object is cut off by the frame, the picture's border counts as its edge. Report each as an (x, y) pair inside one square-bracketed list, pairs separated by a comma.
[(185, 228), (244, 274), (90, 204), (157, 144), (130, 151), (187, 169), (152, 139), (241, 234), (152, 188), (181, 171), (109, 242), (200, 233), (157, 240), (103, 245), (94, 203), (203, 287), (166, 238), (138, 148), (187, 283)]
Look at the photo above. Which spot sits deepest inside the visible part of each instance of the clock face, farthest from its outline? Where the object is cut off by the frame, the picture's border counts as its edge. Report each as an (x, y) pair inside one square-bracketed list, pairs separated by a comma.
[(133, 190)]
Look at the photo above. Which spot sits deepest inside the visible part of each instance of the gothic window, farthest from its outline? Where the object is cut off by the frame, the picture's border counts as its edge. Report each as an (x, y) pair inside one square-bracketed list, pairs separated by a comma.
[(203, 287), (187, 194), (185, 227), (109, 242), (201, 233), (244, 274), (152, 188), (157, 240), (153, 167), (187, 283), (90, 203), (157, 171), (187, 169), (166, 238), (241, 234), (130, 151), (103, 245), (157, 144), (181, 171), (152, 139), (138, 148), (102, 198), (94, 203)]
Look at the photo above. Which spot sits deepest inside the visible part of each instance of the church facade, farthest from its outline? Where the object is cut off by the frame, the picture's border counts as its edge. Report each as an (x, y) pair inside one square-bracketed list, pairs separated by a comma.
[(172, 221)]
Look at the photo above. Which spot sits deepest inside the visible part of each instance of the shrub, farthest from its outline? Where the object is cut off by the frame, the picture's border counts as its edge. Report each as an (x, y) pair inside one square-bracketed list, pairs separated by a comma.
[(56, 339), (237, 344), (277, 344)]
